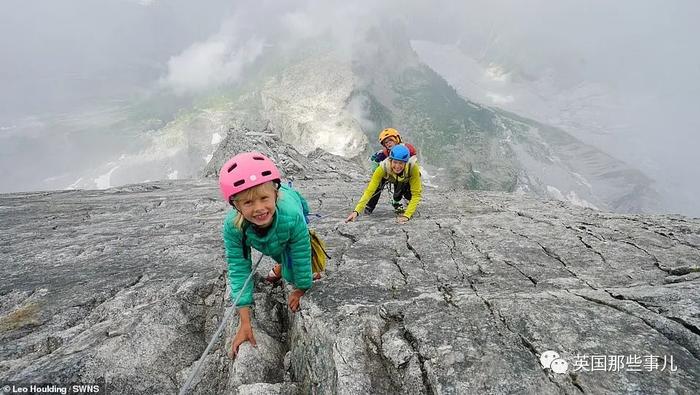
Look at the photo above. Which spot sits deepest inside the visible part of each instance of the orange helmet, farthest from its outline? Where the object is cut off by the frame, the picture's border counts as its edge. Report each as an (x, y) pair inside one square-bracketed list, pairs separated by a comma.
[(389, 132)]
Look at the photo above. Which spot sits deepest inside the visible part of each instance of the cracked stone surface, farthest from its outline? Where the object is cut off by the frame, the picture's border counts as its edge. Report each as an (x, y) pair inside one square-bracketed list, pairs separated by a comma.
[(481, 284), (126, 286)]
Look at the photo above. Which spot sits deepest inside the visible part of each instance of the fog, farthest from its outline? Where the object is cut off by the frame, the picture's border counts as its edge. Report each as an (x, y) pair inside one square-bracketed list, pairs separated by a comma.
[(628, 72)]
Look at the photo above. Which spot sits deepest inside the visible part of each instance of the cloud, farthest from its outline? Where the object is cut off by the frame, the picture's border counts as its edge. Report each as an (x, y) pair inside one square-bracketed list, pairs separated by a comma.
[(222, 58), (642, 54), (217, 61), (358, 107)]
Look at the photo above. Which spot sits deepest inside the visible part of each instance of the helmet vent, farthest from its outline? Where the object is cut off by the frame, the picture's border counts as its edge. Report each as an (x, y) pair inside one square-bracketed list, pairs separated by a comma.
[(233, 166), (266, 173), (258, 158), (238, 183)]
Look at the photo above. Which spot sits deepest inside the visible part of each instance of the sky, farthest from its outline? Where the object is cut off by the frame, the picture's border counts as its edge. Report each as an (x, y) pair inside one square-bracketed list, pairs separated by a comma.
[(74, 56)]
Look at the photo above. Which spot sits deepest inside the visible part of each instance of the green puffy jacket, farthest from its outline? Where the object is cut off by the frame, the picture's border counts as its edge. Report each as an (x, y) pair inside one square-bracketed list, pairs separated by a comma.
[(287, 242)]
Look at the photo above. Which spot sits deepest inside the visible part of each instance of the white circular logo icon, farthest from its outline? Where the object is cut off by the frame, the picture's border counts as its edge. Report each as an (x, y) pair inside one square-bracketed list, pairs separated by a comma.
[(559, 366), (253, 177), (547, 357)]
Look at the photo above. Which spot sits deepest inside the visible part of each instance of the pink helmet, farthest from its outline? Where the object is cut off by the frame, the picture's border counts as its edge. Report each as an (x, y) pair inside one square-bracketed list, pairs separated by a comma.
[(245, 171)]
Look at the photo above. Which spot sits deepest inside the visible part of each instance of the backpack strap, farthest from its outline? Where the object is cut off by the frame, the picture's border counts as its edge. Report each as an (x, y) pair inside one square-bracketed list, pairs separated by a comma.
[(411, 161), (244, 238), (385, 166)]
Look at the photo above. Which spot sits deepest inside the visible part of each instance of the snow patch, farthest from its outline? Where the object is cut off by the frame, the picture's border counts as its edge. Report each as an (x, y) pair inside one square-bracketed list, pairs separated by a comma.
[(582, 180), (216, 139), (522, 190), (427, 178), (103, 181), (570, 197), (260, 134), (574, 199), (555, 193), (76, 184)]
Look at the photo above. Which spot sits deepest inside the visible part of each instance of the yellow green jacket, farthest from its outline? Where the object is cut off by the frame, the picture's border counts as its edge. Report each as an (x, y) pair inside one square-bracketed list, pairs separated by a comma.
[(410, 174)]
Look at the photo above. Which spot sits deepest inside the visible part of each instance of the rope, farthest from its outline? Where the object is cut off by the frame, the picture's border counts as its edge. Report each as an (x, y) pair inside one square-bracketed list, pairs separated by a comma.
[(228, 315), (387, 185), (313, 217)]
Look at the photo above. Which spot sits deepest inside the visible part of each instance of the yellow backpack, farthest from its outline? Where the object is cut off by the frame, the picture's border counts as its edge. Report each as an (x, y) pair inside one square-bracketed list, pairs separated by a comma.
[(318, 252)]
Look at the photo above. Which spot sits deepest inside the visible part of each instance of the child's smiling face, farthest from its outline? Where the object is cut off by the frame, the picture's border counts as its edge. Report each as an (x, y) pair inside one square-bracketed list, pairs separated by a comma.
[(258, 205), (389, 143)]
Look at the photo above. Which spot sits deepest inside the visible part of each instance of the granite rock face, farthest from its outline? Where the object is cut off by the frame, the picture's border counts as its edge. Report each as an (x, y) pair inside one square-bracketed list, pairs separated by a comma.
[(122, 285), (317, 164), (467, 296), (126, 287)]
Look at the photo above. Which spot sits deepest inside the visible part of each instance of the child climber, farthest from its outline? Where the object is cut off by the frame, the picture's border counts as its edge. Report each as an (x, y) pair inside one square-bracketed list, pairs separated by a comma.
[(269, 217), (402, 171), (388, 138)]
